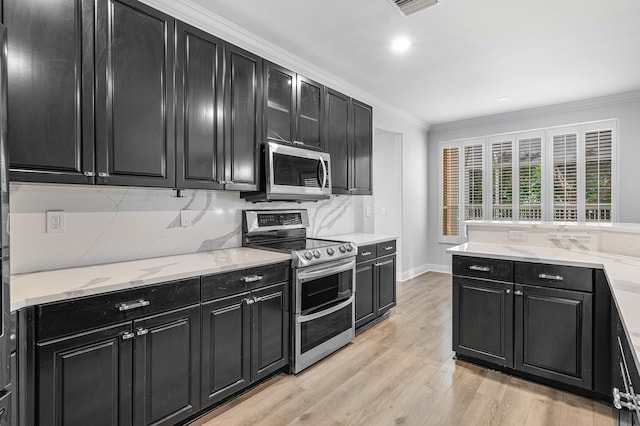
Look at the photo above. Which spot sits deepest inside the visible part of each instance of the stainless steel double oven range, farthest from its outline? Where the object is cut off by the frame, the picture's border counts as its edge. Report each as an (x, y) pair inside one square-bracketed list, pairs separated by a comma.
[(323, 282)]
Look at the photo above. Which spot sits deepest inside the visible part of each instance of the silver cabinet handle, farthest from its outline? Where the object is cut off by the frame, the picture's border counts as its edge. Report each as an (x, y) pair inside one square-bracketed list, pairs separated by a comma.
[(250, 301), (127, 306), (126, 335), (252, 278), (103, 175), (508, 291), (257, 299), (550, 277), (298, 143), (518, 293), (378, 264), (389, 248), (89, 174), (366, 253), (324, 171), (479, 268), (142, 331)]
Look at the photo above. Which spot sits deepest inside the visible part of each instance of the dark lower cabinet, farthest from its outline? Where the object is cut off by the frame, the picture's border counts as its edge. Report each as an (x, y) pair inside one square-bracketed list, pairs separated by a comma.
[(133, 373), (483, 320), (226, 340), (245, 337), (167, 367), (104, 360), (135, 122), (553, 334), (375, 283), (625, 376)]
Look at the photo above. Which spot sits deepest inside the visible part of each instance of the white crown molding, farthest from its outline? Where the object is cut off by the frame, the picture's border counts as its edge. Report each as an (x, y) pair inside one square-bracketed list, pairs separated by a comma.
[(205, 19), (617, 98)]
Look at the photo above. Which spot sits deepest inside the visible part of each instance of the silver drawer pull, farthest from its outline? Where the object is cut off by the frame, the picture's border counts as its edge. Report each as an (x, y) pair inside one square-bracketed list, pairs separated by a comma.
[(252, 278), (126, 335), (508, 291), (127, 306), (142, 331), (250, 301), (550, 277), (389, 248), (366, 253), (518, 293), (479, 268)]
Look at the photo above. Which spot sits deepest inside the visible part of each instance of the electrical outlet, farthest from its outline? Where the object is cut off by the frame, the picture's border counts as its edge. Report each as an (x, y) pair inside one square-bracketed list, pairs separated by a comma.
[(185, 218), (517, 235), (55, 222), (368, 211), (384, 211)]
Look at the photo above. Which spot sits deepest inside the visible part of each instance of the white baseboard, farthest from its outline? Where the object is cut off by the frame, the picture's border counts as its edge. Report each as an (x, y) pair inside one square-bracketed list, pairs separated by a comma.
[(429, 267)]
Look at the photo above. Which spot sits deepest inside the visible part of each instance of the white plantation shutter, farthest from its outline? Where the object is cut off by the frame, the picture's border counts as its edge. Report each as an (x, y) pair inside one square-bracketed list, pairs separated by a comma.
[(598, 177), (530, 179), (565, 177), (473, 182), (502, 180), (450, 191)]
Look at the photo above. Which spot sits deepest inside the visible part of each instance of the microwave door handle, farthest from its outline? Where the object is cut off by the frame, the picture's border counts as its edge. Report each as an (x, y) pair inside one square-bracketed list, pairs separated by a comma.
[(324, 170)]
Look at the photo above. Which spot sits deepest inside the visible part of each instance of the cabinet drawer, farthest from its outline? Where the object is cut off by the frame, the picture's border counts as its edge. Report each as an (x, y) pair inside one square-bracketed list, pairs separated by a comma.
[(385, 248), (70, 316), (480, 267), (556, 276), (367, 252), (227, 284)]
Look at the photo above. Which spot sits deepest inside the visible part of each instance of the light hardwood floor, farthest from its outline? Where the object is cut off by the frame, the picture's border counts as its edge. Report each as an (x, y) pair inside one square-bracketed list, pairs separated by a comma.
[(401, 372)]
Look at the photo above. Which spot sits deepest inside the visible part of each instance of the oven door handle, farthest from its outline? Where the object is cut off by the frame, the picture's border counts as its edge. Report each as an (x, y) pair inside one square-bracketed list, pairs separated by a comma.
[(308, 275), (305, 318)]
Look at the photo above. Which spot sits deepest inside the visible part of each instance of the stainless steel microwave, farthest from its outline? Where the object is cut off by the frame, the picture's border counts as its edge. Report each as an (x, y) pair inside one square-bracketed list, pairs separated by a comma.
[(291, 173)]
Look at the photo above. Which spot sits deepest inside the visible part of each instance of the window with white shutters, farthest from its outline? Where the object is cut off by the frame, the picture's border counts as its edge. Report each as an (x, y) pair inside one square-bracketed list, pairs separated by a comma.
[(450, 191), (598, 157), (502, 180), (530, 179), (565, 178), (473, 182)]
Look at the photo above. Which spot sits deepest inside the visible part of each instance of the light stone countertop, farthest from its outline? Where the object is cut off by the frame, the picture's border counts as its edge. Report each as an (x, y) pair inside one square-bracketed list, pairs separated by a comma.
[(51, 286), (623, 274), (360, 239)]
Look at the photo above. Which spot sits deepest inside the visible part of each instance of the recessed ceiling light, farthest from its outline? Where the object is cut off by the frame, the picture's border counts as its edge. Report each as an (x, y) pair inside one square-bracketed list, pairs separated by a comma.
[(401, 44), (504, 98)]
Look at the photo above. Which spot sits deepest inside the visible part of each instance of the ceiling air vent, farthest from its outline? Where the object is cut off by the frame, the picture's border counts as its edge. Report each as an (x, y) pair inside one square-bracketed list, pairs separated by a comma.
[(409, 7)]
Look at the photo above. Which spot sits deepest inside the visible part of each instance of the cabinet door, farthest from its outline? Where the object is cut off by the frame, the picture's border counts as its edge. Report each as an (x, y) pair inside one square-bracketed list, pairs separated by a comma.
[(270, 330), (483, 320), (243, 112), (362, 148), (553, 334), (365, 293), (625, 376), (135, 136), (386, 284), (103, 359), (50, 85), (338, 113), (199, 148), (167, 367), (280, 103), (226, 336), (310, 113)]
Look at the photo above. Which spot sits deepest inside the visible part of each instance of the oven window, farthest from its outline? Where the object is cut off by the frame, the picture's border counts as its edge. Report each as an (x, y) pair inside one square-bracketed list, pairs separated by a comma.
[(290, 170), (318, 293), (318, 331)]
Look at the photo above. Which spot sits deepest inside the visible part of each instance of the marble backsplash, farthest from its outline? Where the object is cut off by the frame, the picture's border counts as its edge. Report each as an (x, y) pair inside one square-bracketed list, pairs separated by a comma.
[(111, 224)]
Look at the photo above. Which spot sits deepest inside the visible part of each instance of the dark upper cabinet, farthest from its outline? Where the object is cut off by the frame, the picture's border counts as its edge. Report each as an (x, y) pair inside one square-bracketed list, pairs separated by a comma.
[(135, 135), (166, 383), (104, 361), (50, 86), (554, 332), (362, 148), (349, 130), (226, 355), (338, 122), (483, 319), (279, 117), (243, 114), (293, 108), (199, 122)]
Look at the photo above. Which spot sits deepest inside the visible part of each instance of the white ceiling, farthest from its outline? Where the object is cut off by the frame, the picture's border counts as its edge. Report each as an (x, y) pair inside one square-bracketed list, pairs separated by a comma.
[(466, 53)]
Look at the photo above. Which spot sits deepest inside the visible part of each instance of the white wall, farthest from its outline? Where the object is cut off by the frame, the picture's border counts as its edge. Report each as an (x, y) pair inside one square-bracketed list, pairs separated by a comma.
[(625, 107)]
